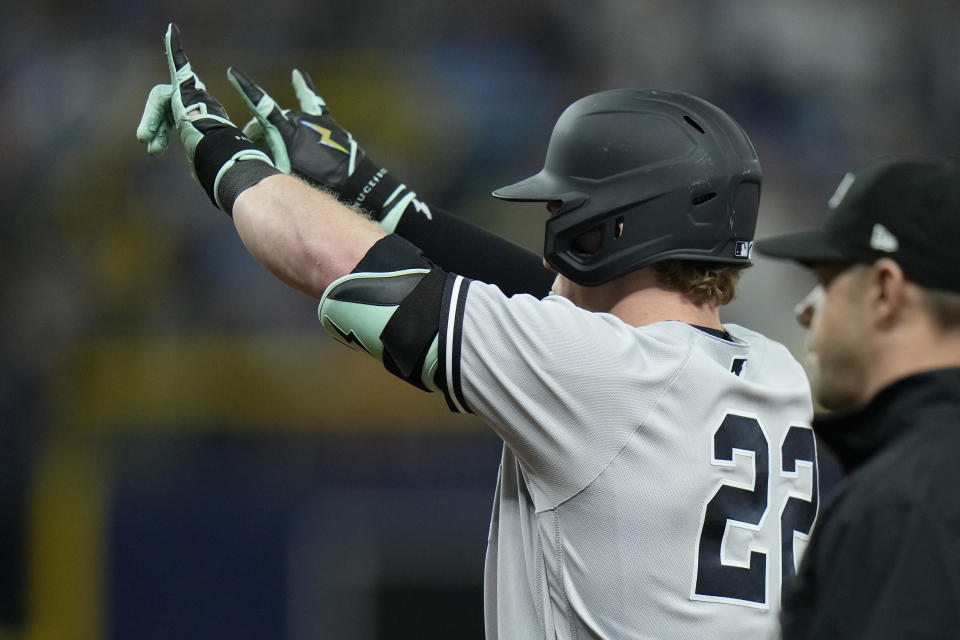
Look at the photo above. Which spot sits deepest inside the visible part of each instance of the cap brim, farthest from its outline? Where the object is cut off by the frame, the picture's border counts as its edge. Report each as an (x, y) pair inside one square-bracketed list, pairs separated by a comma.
[(537, 188), (806, 247)]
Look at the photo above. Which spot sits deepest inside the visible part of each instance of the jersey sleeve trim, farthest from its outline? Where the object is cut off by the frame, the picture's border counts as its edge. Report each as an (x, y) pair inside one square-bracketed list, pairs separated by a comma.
[(451, 331)]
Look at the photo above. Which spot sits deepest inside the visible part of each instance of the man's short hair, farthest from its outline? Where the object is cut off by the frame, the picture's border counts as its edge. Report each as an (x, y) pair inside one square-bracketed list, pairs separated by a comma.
[(701, 282), (943, 307)]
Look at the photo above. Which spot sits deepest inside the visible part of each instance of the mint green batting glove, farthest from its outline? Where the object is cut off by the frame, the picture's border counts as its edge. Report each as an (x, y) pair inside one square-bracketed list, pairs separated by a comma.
[(157, 120), (222, 159)]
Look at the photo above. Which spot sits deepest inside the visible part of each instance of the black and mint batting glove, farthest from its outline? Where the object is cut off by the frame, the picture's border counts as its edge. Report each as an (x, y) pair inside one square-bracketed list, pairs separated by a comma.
[(310, 144), (222, 159)]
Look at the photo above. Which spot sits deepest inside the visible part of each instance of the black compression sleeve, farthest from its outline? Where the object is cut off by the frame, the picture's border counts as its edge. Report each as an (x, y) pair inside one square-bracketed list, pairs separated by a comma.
[(458, 246)]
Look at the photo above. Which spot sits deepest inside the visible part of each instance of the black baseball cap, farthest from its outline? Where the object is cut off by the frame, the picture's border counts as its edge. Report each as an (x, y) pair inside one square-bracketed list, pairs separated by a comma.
[(902, 207)]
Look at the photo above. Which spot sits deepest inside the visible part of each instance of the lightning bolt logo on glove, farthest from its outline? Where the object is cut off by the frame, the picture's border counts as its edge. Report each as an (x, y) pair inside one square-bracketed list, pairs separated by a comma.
[(324, 136)]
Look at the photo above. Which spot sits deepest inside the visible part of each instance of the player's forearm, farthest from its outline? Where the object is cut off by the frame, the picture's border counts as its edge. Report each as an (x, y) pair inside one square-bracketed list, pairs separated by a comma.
[(301, 235), (311, 144), (461, 247)]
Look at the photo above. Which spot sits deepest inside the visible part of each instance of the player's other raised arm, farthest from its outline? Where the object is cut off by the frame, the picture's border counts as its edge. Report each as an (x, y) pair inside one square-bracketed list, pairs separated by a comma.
[(301, 235), (310, 144)]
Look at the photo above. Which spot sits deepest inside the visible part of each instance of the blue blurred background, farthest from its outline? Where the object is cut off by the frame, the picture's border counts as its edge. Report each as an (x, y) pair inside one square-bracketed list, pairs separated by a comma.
[(183, 453)]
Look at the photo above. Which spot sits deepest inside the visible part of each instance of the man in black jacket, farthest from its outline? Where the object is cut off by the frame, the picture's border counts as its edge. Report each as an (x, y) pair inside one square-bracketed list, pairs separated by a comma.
[(884, 355)]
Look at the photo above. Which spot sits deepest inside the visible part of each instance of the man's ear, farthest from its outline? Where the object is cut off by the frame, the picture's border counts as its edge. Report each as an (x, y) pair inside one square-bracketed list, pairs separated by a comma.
[(887, 291)]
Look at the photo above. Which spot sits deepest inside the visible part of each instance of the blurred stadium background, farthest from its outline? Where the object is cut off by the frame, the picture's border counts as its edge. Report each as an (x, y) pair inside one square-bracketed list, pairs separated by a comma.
[(183, 453)]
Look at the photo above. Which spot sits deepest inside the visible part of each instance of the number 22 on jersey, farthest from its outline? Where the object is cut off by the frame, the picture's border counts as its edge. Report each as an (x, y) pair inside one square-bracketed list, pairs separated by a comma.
[(730, 565)]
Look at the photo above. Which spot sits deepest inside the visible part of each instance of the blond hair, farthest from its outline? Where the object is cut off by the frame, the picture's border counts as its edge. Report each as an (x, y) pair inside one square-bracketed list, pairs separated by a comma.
[(712, 283)]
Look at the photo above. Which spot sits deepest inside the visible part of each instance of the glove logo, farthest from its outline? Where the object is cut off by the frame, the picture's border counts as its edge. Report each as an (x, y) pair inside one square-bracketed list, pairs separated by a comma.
[(421, 207), (324, 136)]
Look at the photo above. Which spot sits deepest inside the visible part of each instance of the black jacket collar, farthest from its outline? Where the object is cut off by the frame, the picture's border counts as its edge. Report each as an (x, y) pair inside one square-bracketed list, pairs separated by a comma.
[(856, 435)]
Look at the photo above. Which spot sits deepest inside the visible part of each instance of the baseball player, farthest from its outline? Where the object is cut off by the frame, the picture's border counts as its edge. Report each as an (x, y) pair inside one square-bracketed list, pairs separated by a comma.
[(659, 475)]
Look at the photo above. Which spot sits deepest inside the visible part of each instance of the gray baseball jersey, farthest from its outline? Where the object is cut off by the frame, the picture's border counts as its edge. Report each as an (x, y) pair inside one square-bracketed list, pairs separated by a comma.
[(656, 481)]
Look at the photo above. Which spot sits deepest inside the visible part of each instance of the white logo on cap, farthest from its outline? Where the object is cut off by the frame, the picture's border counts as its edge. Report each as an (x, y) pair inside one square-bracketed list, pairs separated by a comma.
[(882, 240), (841, 191)]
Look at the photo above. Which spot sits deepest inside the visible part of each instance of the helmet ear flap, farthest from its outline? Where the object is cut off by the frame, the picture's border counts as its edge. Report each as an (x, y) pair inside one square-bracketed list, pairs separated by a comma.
[(746, 206)]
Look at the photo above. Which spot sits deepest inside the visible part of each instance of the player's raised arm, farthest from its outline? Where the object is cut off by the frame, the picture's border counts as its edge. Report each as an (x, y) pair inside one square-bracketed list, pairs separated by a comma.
[(310, 144), (301, 235)]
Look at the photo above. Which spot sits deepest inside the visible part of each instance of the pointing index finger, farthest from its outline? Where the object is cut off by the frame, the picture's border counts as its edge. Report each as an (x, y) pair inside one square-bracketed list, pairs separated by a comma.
[(259, 101), (246, 86), (176, 58)]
